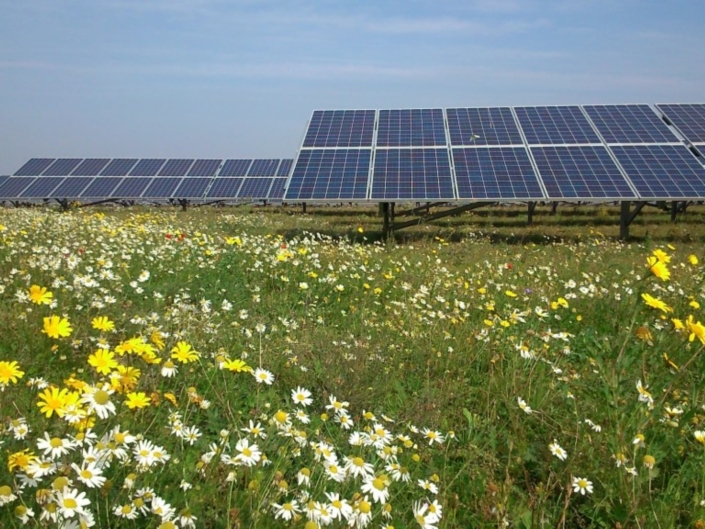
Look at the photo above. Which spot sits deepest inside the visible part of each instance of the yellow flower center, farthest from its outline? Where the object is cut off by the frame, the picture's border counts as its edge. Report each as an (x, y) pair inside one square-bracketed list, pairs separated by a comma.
[(5, 490), (101, 397), (56, 442), (378, 484), (70, 503), (359, 462), (365, 507)]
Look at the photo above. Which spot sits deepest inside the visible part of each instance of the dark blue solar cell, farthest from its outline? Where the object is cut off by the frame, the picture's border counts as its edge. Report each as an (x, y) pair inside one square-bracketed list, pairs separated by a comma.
[(192, 188), (235, 167), (35, 167), (224, 188), (494, 173), (629, 124), (204, 168), (101, 187), (276, 192), (71, 187), (42, 187), (340, 128), (255, 188), (62, 167), (147, 167), (412, 174), (90, 167), (483, 126), (420, 127), (119, 167), (13, 186), (689, 119), (132, 187), (556, 125), (263, 167), (176, 167), (663, 171), (330, 174), (162, 187), (285, 167), (580, 173)]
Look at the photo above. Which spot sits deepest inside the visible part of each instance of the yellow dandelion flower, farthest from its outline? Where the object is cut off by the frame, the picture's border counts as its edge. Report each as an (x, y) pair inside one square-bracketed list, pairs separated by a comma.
[(40, 295), (51, 401), (183, 353), (103, 323), (656, 303), (658, 268), (103, 361), (137, 400), (57, 327), (9, 372)]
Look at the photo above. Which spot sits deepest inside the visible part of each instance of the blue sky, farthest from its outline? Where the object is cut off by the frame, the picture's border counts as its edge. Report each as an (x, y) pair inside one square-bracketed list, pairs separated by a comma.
[(239, 78)]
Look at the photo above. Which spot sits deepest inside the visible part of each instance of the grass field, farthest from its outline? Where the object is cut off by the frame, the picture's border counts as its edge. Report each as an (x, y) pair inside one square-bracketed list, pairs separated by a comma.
[(260, 367)]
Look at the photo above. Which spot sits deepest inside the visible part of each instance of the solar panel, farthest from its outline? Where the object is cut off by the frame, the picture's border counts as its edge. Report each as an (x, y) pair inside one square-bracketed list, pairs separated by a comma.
[(90, 167), (3, 179), (663, 171), (162, 187), (330, 174), (555, 125), (224, 188), (412, 174), (255, 188), (42, 187), (131, 187), (62, 167), (204, 168), (235, 168), (263, 168), (276, 192), (119, 167), (285, 167), (483, 126), (340, 128), (581, 173), (101, 187), (689, 119), (14, 185), (192, 188), (34, 167), (420, 127), (629, 124), (147, 167), (71, 187), (495, 172), (175, 167)]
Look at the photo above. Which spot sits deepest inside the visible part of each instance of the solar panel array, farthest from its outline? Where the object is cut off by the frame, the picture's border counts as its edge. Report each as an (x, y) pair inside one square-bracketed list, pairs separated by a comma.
[(592, 152), (148, 179)]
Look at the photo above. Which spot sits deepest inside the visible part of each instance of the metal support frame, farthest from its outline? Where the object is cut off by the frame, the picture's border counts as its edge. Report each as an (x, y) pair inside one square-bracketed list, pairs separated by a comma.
[(389, 226), (530, 217), (425, 208), (626, 217)]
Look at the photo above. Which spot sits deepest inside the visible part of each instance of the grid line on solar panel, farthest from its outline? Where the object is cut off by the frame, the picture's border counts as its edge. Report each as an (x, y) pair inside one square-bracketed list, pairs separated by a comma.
[(412, 174), (496, 172), (147, 167), (224, 188), (42, 187), (330, 174), (419, 127), (204, 168), (629, 124), (255, 188), (556, 125), (192, 188), (101, 188), (71, 187), (580, 172), (176, 167), (90, 167), (238, 167), (662, 171), (285, 167), (340, 128), (276, 192), (35, 166), (3, 179), (62, 167), (162, 187), (14, 185), (483, 126), (687, 118), (263, 167), (131, 187), (119, 167)]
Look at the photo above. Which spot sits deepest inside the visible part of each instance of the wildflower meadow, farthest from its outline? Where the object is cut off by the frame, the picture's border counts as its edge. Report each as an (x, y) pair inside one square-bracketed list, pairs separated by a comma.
[(240, 368)]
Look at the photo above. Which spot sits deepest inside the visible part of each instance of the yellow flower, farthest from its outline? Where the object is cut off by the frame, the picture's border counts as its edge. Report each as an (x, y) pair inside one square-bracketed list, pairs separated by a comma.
[(697, 330), (157, 339), (103, 361), (20, 460), (649, 461), (102, 323), (694, 304), (237, 366), (9, 372), (51, 401), (656, 303), (692, 259), (39, 295), (137, 400), (662, 256), (678, 324), (510, 293), (183, 353), (57, 327), (658, 268), (643, 333), (171, 398)]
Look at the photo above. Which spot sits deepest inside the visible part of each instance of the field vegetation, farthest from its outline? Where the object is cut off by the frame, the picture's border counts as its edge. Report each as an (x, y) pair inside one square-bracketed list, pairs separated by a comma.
[(260, 367)]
